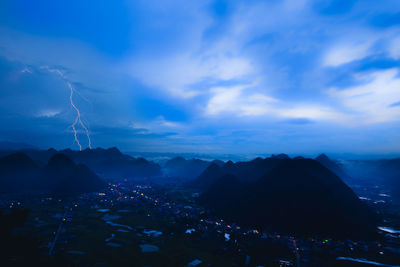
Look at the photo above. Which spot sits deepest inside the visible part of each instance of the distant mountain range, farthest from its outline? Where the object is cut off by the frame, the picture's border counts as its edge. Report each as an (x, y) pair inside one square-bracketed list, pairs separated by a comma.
[(187, 168), (19, 174), (108, 163), (294, 195), (246, 171), (300, 195)]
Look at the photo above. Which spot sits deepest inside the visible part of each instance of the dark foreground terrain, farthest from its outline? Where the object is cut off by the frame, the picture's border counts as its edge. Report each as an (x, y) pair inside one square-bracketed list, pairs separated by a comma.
[(274, 211)]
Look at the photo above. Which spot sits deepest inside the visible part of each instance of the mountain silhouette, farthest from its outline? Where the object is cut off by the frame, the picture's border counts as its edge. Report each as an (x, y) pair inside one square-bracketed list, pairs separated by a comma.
[(245, 171), (17, 173), (20, 174), (181, 167), (18, 161), (300, 196), (280, 156), (108, 163), (60, 162), (332, 165)]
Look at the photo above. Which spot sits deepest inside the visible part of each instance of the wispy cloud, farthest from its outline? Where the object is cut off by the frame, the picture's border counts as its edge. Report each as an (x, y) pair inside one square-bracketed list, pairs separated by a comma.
[(370, 102), (235, 101), (346, 53), (48, 113)]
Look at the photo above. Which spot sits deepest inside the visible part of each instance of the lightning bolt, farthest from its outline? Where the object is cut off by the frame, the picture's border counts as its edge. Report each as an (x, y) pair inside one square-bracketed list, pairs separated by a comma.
[(78, 120)]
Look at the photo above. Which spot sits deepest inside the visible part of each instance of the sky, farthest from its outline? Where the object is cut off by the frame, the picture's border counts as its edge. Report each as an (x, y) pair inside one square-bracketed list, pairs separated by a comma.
[(239, 77)]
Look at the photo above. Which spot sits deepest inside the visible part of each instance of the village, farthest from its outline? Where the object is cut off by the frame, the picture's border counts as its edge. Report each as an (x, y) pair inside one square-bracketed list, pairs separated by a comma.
[(154, 225)]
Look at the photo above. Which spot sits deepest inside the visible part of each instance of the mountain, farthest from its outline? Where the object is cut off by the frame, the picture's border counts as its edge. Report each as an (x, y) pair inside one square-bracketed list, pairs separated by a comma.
[(222, 193), (218, 162), (300, 196), (17, 172), (61, 176), (18, 161), (108, 163), (280, 156), (332, 165), (208, 177), (180, 167), (111, 163), (244, 171)]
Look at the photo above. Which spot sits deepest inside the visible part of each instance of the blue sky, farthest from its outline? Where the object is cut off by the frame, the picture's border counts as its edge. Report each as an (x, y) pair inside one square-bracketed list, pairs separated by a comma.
[(245, 77)]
